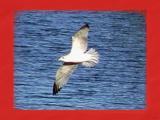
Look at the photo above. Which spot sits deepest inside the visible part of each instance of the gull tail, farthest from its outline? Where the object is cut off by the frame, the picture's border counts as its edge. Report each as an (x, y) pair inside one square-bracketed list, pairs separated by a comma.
[(93, 56)]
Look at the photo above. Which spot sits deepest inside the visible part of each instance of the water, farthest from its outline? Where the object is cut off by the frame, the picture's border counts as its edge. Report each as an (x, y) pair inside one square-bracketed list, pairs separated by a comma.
[(117, 82)]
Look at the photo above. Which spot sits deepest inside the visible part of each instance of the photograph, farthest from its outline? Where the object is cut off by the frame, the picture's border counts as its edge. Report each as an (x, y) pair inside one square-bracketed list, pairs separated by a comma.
[(79, 60)]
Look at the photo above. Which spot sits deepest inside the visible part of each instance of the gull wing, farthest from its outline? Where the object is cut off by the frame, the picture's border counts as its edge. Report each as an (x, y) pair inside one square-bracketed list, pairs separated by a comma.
[(79, 40), (62, 76)]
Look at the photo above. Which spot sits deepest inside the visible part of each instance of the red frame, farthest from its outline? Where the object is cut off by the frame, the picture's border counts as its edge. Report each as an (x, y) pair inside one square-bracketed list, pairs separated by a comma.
[(150, 9)]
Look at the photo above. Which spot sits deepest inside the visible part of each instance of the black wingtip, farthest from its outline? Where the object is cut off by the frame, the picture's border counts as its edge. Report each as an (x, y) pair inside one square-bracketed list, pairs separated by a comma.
[(56, 89), (86, 25)]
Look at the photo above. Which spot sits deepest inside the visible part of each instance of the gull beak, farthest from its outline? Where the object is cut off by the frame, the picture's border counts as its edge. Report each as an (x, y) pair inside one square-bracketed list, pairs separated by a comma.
[(59, 59)]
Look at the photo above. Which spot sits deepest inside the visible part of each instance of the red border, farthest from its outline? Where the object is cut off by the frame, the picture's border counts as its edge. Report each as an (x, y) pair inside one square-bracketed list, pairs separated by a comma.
[(151, 9)]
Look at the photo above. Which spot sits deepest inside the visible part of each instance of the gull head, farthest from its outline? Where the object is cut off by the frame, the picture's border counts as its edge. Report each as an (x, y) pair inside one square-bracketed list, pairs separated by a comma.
[(62, 58), (66, 58)]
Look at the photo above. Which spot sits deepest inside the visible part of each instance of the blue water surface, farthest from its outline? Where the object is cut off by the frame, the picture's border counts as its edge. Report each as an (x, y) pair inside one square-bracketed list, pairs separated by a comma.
[(118, 81)]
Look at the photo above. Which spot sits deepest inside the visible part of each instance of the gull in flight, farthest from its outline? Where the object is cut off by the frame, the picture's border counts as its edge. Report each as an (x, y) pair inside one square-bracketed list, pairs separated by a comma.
[(78, 55)]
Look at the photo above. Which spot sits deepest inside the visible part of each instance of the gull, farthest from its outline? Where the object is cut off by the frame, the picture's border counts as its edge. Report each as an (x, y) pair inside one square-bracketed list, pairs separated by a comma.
[(78, 55)]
